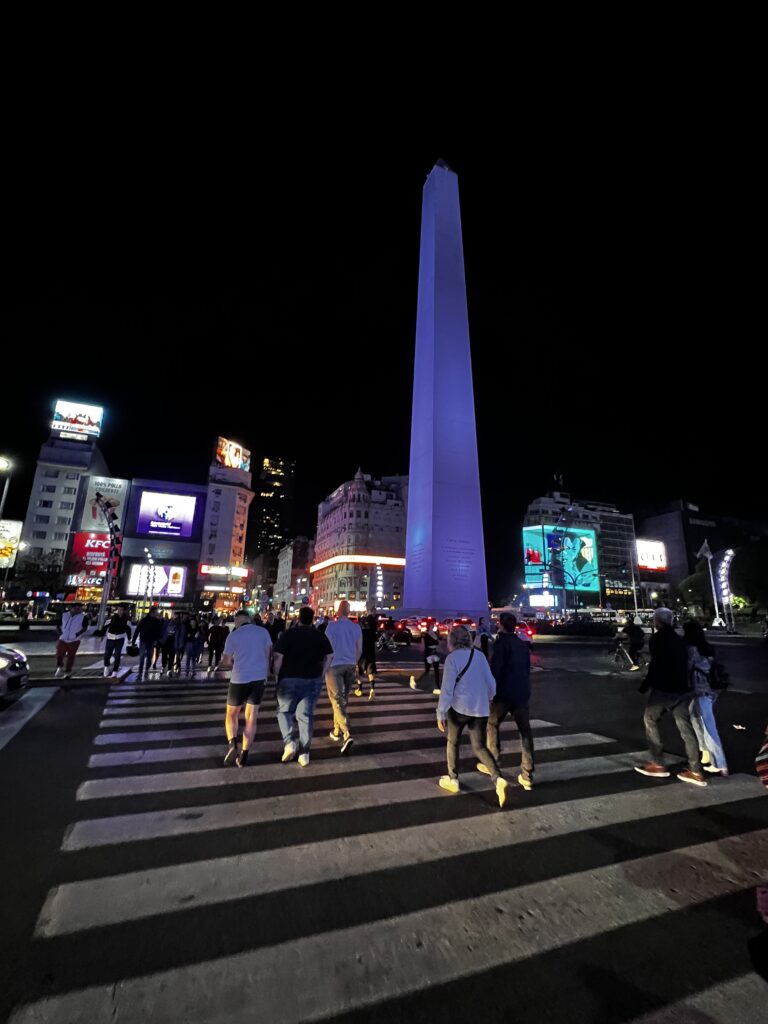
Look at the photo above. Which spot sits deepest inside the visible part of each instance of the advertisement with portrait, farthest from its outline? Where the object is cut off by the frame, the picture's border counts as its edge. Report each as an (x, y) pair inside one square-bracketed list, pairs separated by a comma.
[(567, 556), (232, 455), (10, 537), (74, 421), (89, 554), (113, 488)]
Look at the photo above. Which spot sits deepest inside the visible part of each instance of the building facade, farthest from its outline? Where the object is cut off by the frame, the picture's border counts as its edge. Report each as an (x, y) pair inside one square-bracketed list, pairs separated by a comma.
[(360, 544), (292, 588)]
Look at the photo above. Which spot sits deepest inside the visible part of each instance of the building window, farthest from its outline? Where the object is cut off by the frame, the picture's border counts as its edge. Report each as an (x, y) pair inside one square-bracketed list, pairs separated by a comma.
[(61, 520), (35, 552), (48, 489), (67, 505), (70, 490), (60, 536), (42, 519), (72, 476), (39, 534), (51, 473), (44, 504)]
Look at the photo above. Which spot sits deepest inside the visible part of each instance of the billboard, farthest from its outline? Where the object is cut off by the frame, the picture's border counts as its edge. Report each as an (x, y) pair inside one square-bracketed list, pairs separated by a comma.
[(110, 487), (562, 556), (232, 455), (168, 581), (77, 422), (89, 554), (651, 554), (10, 535), (166, 515)]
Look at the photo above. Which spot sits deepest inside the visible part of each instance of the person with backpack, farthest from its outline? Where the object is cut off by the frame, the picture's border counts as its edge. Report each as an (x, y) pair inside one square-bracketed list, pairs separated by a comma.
[(708, 679)]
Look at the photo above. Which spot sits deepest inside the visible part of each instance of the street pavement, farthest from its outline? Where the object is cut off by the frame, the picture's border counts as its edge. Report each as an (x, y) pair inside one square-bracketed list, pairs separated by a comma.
[(144, 881)]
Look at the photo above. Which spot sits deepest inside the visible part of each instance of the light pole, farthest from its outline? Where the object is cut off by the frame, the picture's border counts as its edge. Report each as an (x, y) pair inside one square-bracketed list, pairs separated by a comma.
[(6, 466)]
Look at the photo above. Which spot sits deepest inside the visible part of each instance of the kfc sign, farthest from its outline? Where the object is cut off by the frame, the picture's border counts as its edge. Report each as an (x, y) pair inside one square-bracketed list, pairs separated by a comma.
[(90, 554)]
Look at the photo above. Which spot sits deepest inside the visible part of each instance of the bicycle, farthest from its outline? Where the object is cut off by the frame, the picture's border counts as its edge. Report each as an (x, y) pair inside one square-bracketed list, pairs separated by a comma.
[(622, 660), (386, 643)]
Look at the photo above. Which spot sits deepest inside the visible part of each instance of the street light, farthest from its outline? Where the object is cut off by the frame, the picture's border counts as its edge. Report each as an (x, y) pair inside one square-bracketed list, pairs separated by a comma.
[(6, 466)]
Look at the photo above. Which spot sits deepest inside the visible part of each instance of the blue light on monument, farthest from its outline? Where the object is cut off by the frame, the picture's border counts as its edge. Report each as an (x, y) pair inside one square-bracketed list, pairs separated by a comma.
[(445, 552)]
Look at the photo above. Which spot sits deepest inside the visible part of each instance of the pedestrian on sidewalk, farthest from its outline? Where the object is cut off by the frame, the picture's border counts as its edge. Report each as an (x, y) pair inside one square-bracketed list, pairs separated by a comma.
[(148, 633), (636, 639), (701, 662), (346, 639), (118, 633), (511, 668), (669, 690), (73, 625), (217, 637), (301, 656), (193, 645), (430, 639), (465, 702), (247, 652), (485, 634), (367, 663)]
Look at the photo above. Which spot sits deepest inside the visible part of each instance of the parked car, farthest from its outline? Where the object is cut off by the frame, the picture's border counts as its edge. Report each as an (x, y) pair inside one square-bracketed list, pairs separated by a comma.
[(9, 617), (14, 671)]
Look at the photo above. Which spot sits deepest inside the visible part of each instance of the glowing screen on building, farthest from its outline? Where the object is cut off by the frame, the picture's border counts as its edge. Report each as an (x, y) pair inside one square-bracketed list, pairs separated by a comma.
[(651, 554), (561, 557)]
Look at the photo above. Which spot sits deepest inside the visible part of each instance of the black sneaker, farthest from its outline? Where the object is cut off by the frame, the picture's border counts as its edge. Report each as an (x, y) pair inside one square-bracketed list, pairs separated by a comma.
[(231, 754), (346, 745), (242, 759)]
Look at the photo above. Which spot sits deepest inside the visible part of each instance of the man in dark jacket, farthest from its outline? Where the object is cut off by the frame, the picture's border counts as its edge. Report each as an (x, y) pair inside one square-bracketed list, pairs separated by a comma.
[(670, 690), (511, 668), (148, 633), (118, 631)]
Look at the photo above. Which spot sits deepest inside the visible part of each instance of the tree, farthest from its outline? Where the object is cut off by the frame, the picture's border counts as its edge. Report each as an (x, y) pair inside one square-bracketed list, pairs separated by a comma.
[(45, 573), (697, 589)]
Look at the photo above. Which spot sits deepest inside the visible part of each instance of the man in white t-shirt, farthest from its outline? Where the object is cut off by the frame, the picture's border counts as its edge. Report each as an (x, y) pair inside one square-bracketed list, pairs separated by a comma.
[(248, 651), (347, 642)]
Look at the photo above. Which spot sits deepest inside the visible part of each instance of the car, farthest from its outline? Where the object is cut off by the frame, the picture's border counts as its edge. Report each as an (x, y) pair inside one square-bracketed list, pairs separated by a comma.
[(404, 632), (526, 631), (426, 623), (9, 617), (445, 626), (14, 671)]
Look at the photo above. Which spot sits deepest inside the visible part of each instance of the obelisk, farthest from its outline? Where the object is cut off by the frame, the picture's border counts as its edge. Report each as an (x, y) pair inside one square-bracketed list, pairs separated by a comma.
[(444, 551)]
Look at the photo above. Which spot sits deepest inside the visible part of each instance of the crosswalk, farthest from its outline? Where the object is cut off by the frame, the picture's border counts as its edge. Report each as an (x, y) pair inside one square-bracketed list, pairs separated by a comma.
[(193, 892)]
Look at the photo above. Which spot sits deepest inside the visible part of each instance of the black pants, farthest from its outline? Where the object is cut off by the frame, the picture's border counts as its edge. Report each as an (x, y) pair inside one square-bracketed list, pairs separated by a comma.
[(476, 728), (634, 651), (423, 680), (368, 659), (214, 656), (521, 714), (170, 654), (113, 647)]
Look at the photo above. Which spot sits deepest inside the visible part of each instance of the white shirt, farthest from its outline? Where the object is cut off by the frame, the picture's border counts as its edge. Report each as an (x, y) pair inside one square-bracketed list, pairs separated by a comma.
[(71, 625), (249, 646), (345, 637), (473, 694)]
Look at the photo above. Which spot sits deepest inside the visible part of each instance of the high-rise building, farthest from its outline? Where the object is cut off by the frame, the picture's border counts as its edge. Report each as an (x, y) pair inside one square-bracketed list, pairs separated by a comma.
[(271, 513), (292, 584), (360, 544)]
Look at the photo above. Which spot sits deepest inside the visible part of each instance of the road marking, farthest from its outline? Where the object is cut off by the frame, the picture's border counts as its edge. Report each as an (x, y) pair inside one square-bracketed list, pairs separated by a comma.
[(22, 710)]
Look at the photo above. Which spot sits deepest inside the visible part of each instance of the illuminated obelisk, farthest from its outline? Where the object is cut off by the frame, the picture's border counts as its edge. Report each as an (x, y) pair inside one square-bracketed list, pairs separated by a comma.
[(444, 552)]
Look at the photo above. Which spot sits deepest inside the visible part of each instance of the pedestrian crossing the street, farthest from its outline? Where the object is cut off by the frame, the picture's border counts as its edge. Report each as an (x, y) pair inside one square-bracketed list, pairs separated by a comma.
[(357, 889)]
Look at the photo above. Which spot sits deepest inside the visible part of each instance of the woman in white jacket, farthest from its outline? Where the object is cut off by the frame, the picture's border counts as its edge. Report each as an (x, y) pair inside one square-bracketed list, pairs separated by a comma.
[(468, 687)]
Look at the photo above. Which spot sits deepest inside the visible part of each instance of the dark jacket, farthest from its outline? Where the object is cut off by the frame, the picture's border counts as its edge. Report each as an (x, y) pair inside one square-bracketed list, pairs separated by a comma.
[(668, 670), (119, 625), (511, 668), (149, 630), (217, 636)]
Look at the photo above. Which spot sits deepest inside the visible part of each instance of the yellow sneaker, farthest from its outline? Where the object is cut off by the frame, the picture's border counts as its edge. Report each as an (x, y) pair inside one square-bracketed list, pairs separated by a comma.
[(501, 791), (527, 784), (449, 784)]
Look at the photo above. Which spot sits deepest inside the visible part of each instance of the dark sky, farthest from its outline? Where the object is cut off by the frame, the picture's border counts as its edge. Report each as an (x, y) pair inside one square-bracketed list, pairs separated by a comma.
[(271, 297)]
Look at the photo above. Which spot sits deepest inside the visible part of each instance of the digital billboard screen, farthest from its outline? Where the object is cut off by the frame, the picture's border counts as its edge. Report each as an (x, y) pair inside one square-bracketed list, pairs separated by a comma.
[(232, 455), (166, 515), (10, 537), (651, 554), (90, 553), (168, 580), (561, 557), (77, 422)]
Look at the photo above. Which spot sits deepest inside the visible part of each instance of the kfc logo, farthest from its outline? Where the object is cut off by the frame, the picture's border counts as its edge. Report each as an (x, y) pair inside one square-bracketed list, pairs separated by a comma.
[(96, 543)]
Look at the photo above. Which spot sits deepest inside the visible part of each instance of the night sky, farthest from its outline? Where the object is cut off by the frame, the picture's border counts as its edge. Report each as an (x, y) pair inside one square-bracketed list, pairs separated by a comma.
[(195, 291)]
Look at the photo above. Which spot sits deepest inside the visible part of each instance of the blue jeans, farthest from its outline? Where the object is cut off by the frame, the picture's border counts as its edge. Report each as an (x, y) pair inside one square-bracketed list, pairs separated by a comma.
[(192, 652), (296, 699), (705, 727), (146, 650), (113, 647)]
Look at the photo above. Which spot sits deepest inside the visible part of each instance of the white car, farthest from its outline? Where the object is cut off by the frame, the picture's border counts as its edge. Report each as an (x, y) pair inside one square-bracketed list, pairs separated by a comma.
[(14, 671)]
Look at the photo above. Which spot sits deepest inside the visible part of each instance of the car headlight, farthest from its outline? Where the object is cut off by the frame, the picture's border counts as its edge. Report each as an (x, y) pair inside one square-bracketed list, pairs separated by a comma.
[(5, 661)]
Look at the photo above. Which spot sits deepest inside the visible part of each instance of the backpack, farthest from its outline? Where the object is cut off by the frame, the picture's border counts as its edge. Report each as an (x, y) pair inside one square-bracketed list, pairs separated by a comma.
[(719, 676)]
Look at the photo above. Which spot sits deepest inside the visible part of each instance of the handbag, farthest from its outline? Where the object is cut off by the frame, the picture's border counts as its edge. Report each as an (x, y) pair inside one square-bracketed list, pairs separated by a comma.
[(132, 650)]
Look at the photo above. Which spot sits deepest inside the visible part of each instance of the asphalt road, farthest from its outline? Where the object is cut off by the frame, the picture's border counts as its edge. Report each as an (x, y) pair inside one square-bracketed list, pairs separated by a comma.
[(143, 881)]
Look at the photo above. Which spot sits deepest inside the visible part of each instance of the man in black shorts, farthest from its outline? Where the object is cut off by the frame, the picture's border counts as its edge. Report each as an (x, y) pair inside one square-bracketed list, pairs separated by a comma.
[(248, 651)]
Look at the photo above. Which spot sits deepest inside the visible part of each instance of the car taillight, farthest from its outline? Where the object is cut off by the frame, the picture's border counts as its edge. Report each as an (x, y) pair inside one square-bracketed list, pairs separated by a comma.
[(529, 632)]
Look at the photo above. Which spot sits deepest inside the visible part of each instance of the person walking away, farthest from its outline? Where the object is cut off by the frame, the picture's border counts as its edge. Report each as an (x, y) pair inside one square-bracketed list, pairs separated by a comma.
[(168, 642), (148, 633), (118, 632), (484, 632), (193, 645), (346, 639), (670, 691), (301, 658), (465, 702), (511, 668), (217, 637), (73, 625), (278, 626), (430, 640), (701, 662), (636, 640), (247, 651), (367, 664)]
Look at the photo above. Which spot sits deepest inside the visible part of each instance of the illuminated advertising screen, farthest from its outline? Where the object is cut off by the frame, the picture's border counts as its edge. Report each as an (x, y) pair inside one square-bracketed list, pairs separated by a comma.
[(232, 455), (651, 554), (110, 487), (77, 422), (166, 515), (89, 554), (157, 580), (10, 535), (562, 556)]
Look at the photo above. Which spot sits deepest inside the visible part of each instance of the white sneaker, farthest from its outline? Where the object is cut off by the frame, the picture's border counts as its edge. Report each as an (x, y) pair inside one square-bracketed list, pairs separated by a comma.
[(107, 672), (303, 760), (289, 752), (413, 683), (446, 782), (483, 768), (58, 673), (635, 668)]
